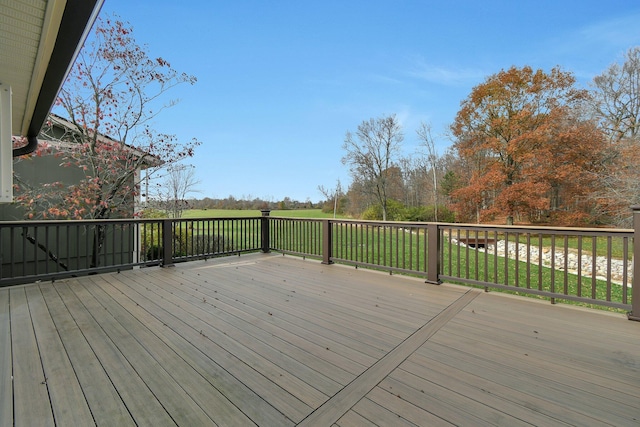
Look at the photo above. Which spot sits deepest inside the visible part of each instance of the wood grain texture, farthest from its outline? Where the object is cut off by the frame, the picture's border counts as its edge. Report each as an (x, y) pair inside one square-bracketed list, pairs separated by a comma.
[(6, 369), (272, 340)]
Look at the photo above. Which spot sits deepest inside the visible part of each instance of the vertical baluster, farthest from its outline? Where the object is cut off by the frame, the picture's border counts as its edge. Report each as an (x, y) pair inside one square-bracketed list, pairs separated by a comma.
[(609, 255), (553, 267)]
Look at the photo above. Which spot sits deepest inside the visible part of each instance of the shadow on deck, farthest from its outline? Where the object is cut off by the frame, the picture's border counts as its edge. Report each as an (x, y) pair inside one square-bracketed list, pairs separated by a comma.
[(270, 340)]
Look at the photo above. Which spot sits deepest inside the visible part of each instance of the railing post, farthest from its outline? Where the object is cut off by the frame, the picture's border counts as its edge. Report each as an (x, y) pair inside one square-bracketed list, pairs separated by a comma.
[(634, 314), (167, 243), (327, 243), (266, 244), (433, 252)]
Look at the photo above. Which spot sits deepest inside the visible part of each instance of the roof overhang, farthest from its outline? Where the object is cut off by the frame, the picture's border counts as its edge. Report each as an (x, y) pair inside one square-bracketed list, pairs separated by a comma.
[(148, 160), (39, 40)]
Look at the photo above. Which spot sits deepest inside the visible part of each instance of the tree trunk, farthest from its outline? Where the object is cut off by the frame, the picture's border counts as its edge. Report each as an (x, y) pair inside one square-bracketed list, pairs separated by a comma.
[(98, 242)]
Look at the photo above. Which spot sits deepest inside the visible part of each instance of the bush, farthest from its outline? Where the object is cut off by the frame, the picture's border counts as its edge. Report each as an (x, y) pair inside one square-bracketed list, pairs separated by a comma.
[(205, 244), (428, 214), (418, 213), (395, 211), (327, 206), (154, 252), (183, 246), (152, 214)]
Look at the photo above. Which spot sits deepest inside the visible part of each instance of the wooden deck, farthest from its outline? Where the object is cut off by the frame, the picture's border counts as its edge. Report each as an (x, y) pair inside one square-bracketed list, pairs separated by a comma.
[(270, 340)]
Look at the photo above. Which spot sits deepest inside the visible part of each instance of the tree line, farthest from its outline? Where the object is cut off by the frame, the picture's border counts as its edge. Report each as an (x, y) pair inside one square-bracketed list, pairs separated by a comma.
[(528, 146), (250, 203)]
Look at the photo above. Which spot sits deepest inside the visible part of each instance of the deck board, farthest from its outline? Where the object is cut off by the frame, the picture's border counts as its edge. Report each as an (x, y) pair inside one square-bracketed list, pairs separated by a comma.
[(67, 399), (505, 363), (192, 386), (295, 320), (205, 356), (469, 402), (234, 375), (272, 340), (380, 415), (341, 402), (138, 398), (353, 419), (104, 400), (6, 380), (241, 330), (30, 397), (288, 393)]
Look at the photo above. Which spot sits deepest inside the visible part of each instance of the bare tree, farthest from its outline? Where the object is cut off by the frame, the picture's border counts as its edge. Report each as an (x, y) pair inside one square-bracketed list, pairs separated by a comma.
[(413, 180), (616, 100), (617, 97), (332, 193), (371, 153), (172, 191), (424, 134)]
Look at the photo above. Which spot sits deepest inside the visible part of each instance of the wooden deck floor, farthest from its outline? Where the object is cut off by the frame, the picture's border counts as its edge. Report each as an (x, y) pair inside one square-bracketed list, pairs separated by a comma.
[(279, 341)]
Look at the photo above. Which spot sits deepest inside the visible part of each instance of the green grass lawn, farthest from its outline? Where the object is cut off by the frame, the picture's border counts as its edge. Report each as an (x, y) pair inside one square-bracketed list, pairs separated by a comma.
[(238, 213)]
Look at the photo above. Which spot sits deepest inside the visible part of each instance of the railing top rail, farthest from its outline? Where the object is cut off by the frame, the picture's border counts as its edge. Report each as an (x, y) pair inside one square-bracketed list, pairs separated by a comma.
[(463, 226), (49, 222), (381, 223), (494, 227), (542, 229), (218, 218), (300, 219)]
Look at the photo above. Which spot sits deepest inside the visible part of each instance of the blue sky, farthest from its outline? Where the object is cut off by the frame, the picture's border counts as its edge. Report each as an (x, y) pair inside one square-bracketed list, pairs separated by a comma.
[(281, 82)]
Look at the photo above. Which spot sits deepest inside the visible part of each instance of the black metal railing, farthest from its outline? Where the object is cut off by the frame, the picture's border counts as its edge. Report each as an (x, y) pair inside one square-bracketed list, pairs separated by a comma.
[(296, 236), (46, 250), (393, 246), (593, 266), (587, 265), (192, 239)]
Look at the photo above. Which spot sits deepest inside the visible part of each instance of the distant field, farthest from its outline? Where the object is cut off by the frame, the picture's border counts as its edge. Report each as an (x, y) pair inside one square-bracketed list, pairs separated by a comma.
[(227, 213)]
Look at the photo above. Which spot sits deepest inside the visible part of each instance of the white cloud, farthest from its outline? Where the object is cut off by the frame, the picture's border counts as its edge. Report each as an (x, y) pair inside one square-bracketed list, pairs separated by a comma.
[(618, 32), (444, 75), (588, 50), (379, 78)]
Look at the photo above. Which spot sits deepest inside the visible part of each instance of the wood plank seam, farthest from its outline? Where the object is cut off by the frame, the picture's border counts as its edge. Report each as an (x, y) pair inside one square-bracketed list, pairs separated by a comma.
[(340, 403)]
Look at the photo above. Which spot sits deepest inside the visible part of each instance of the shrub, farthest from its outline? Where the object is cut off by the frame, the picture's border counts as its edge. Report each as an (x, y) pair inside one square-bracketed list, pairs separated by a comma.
[(395, 211), (205, 244), (152, 214), (154, 252), (186, 245), (428, 214)]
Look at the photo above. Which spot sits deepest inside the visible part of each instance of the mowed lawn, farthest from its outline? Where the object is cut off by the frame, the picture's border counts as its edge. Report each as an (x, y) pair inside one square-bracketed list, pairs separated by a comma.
[(240, 213)]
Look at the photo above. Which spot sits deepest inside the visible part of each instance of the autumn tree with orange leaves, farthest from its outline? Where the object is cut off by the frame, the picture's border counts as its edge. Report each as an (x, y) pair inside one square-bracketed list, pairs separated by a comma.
[(526, 148)]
